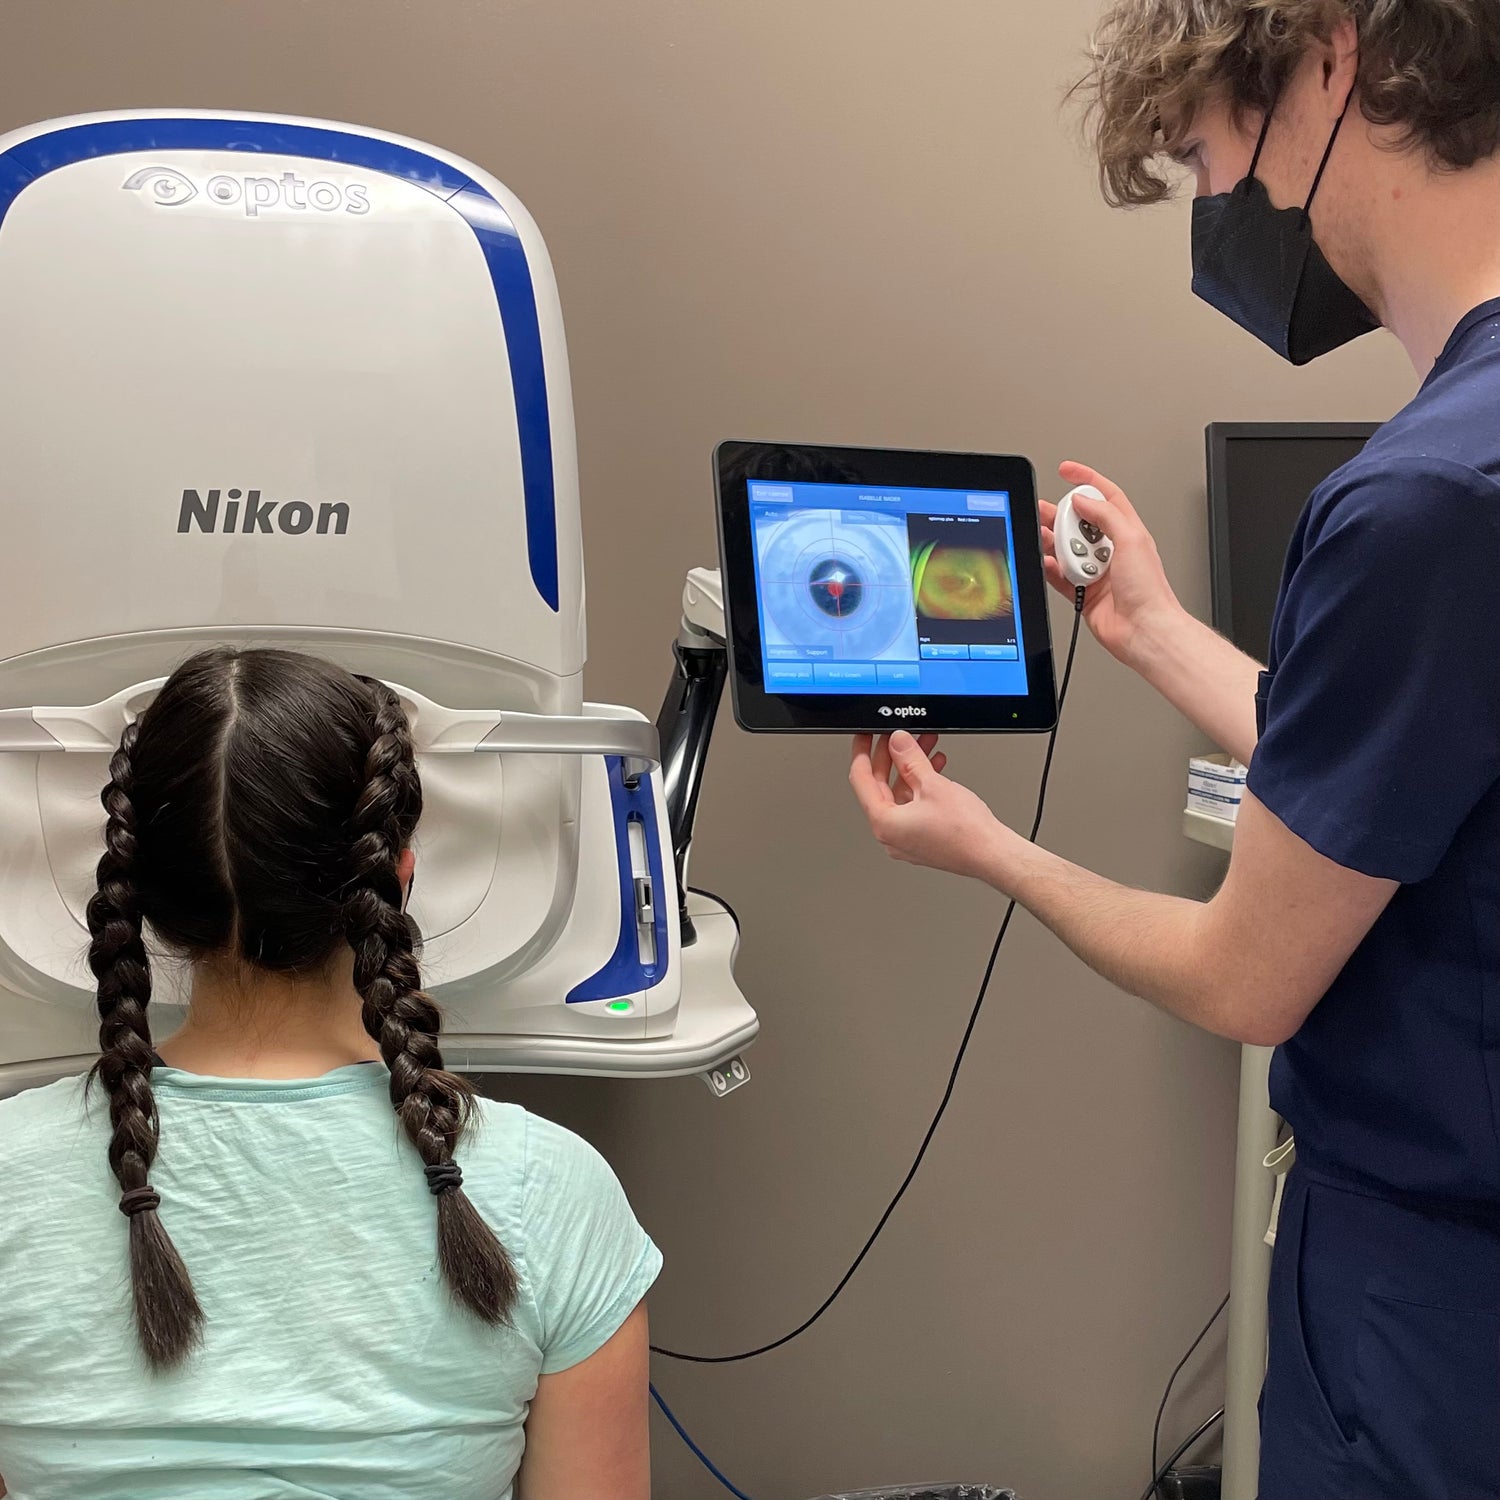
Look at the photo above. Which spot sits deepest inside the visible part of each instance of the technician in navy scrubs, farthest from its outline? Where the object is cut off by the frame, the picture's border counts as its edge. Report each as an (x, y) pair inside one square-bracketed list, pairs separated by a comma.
[(1358, 930)]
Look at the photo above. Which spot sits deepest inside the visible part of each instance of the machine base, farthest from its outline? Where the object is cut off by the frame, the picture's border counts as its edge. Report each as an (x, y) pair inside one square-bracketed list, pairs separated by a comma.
[(714, 1022)]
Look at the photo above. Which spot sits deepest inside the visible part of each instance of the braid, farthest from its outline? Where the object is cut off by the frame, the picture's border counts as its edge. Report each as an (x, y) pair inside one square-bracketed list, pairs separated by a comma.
[(432, 1104), (167, 1314)]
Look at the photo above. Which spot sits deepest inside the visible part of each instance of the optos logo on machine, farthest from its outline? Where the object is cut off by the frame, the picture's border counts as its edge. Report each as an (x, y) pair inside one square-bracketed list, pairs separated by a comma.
[(250, 192), (911, 711)]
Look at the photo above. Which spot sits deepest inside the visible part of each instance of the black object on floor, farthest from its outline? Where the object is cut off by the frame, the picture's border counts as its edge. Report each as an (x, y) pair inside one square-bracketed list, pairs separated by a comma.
[(1191, 1484), (928, 1492)]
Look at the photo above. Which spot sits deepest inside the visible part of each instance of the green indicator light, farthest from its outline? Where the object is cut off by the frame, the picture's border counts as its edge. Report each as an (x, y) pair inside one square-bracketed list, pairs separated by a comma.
[(620, 1005)]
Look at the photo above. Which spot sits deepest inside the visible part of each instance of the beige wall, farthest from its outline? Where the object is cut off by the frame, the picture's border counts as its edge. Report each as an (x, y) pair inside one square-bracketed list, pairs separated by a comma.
[(861, 221)]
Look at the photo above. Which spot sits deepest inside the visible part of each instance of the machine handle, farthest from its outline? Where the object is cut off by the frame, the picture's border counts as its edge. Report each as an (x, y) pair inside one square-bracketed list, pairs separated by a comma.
[(96, 729), (634, 740)]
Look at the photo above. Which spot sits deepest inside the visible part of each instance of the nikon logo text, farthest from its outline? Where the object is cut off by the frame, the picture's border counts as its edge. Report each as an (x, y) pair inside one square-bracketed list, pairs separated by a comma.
[(244, 511)]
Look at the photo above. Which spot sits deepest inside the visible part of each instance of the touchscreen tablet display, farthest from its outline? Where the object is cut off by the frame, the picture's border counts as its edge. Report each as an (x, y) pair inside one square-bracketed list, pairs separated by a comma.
[(862, 589), (872, 587)]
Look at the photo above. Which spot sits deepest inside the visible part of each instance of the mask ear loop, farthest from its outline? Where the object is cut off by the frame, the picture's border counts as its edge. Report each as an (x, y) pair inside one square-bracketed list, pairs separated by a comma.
[(1260, 145), (1327, 157)]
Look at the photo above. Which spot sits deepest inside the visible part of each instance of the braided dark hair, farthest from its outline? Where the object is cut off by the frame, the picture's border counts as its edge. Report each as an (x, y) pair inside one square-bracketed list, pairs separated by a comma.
[(166, 1309), (257, 814), (432, 1104)]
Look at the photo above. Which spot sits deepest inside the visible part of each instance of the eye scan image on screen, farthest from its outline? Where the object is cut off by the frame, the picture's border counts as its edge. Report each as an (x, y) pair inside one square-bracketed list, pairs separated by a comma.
[(870, 591)]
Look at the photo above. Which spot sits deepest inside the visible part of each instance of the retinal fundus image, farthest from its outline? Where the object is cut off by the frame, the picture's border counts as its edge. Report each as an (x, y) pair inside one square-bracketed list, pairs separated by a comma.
[(959, 580), (834, 586)]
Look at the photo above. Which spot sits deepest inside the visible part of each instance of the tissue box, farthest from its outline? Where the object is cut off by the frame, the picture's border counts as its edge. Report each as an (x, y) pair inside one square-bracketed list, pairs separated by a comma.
[(1216, 785)]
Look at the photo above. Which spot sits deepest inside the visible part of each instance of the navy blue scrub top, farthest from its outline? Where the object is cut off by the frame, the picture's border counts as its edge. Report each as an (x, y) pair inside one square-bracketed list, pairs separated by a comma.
[(1380, 747)]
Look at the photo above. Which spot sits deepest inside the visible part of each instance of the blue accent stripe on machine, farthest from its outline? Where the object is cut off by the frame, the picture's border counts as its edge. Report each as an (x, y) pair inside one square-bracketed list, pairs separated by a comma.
[(624, 973), (499, 240), (94, 138), (506, 258)]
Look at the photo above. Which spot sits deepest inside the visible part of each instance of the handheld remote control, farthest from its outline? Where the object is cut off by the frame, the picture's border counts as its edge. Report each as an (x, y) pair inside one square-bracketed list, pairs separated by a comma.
[(1083, 551)]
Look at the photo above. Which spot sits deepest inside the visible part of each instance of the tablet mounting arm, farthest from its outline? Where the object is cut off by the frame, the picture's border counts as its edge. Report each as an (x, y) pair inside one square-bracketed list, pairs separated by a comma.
[(686, 721)]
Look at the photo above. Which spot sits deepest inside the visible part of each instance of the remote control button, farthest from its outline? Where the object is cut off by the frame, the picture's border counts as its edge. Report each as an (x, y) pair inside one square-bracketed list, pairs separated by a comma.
[(1103, 554), (1079, 550), (1091, 570), (1091, 531)]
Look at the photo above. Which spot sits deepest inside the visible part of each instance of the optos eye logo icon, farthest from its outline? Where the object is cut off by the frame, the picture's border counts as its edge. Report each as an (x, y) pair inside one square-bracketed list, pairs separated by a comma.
[(885, 713), (163, 184), (252, 194)]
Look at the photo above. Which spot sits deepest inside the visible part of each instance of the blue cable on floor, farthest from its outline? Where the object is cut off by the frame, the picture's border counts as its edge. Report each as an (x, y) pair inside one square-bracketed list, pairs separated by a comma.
[(693, 1448)]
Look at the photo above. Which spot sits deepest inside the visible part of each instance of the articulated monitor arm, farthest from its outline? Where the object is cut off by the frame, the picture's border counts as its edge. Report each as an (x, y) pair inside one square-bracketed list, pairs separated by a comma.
[(686, 721)]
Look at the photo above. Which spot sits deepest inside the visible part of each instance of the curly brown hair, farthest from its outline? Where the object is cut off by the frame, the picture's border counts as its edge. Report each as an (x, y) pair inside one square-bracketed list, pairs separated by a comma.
[(1430, 67)]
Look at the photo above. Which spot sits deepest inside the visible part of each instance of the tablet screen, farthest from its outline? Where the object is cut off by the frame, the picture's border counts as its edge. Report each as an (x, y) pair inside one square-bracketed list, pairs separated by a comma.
[(870, 588), (865, 589)]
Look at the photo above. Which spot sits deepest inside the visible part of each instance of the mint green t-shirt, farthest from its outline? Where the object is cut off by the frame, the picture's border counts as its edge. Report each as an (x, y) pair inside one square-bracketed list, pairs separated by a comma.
[(334, 1363)]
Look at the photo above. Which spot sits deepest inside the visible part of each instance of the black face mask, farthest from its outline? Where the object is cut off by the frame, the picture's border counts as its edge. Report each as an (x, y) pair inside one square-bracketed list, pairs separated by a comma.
[(1260, 266)]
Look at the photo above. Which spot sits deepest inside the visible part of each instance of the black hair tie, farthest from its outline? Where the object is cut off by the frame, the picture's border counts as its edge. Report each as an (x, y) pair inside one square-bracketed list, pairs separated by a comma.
[(443, 1178), (141, 1200)]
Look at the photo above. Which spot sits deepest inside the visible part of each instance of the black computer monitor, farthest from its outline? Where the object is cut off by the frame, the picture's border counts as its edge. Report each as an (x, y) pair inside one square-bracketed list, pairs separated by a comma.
[(1260, 476)]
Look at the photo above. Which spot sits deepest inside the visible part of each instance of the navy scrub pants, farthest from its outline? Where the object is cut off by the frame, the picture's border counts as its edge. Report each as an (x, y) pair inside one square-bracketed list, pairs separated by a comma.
[(1384, 1374)]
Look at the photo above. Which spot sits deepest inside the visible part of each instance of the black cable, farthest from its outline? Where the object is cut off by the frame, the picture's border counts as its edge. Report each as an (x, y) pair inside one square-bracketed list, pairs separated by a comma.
[(958, 1062), (1172, 1380), (1153, 1490), (692, 1447), (734, 916)]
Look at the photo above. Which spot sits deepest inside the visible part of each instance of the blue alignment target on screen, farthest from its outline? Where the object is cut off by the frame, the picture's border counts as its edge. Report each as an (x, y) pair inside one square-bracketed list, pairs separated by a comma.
[(892, 592)]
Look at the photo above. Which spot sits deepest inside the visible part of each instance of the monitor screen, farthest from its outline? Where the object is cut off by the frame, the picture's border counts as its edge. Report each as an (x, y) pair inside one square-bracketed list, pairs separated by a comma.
[(1260, 477), (872, 589)]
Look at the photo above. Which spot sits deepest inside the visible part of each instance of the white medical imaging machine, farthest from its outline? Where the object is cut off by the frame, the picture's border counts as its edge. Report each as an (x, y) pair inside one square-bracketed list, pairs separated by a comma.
[(285, 382)]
